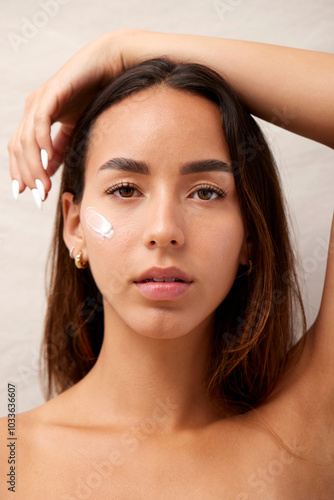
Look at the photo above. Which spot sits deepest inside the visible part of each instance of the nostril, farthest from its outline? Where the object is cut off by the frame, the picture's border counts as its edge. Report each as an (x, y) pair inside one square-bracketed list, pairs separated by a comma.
[(156, 242)]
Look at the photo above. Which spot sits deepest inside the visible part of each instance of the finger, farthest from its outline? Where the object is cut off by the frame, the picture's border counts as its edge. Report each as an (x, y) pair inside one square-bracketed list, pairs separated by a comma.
[(26, 157), (35, 132), (36, 186), (45, 149), (32, 135), (31, 163), (42, 127), (28, 150), (18, 186), (52, 152), (60, 143), (14, 168), (19, 165)]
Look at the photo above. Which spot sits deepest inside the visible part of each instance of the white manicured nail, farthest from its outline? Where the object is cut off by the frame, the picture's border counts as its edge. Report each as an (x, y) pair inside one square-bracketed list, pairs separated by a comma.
[(15, 188), (44, 158), (37, 198), (40, 189)]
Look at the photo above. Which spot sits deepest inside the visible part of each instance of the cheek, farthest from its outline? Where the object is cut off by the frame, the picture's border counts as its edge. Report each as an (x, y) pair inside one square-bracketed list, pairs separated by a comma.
[(220, 245), (109, 245), (98, 224), (105, 233)]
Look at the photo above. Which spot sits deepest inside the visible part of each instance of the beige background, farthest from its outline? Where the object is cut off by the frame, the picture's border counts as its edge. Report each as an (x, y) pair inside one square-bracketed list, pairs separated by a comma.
[(57, 31)]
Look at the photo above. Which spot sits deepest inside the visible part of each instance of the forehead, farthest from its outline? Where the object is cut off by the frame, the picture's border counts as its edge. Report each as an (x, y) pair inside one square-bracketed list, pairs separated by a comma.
[(159, 121)]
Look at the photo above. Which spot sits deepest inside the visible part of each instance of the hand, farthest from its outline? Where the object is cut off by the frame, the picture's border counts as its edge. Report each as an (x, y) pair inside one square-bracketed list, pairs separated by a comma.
[(61, 99)]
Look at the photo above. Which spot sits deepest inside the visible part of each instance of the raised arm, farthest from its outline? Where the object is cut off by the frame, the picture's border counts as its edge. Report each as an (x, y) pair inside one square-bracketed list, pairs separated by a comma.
[(291, 88)]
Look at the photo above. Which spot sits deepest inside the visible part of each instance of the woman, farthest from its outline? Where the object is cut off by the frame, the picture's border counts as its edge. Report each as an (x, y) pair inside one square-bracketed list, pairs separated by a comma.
[(199, 375)]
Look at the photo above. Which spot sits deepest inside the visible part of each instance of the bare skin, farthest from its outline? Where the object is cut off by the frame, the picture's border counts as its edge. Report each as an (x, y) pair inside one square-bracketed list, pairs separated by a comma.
[(153, 434), (232, 458)]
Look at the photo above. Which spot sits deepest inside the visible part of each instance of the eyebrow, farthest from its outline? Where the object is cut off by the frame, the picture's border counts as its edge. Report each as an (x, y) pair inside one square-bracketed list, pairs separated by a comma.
[(192, 167)]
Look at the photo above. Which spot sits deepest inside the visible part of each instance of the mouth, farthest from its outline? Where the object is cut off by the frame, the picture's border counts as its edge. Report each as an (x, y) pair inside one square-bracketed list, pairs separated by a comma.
[(163, 283), (162, 280), (163, 290), (164, 275)]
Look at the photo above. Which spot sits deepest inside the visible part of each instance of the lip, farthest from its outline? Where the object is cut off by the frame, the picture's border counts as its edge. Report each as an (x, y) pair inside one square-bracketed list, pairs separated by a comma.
[(163, 290), (164, 272)]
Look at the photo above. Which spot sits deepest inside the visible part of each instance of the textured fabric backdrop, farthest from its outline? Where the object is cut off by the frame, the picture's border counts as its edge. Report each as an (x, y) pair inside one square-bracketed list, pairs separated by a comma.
[(37, 37)]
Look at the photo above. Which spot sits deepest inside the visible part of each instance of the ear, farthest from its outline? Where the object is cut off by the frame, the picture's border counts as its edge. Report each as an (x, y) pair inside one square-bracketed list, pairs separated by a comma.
[(72, 231)]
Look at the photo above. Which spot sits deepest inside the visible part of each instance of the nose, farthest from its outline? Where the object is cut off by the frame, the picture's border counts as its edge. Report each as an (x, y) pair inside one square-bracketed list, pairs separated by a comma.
[(164, 225)]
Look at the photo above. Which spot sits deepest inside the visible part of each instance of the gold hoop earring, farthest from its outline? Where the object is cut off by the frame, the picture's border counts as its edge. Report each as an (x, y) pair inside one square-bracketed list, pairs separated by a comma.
[(250, 267), (70, 252), (77, 261)]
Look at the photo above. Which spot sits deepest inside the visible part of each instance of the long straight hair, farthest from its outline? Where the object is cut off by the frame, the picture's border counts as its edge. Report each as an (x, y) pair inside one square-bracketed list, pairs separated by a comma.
[(255, 332)]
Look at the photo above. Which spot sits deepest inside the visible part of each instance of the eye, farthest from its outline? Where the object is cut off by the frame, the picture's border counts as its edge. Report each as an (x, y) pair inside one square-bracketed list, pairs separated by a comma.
[(125, 190), (208, 193)]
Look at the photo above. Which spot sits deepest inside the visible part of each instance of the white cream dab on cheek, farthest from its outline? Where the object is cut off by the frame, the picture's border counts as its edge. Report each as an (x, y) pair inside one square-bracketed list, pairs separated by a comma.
[(98, 223)]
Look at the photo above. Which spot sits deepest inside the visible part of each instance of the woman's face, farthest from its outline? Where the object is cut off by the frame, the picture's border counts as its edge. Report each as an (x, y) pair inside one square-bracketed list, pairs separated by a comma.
[(168, 207)]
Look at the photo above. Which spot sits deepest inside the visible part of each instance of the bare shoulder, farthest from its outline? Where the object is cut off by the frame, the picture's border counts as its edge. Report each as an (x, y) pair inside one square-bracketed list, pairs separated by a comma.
[(9, 448), (300, 409), (286, 445), (16, 431), (37, 449)]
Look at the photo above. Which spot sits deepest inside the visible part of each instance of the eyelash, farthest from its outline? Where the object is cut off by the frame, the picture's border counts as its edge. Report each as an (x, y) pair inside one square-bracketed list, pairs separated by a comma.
[(205, 187)]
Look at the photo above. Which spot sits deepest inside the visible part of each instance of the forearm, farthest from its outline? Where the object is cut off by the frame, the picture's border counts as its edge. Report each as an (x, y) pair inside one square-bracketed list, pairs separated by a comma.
[(292, 88)]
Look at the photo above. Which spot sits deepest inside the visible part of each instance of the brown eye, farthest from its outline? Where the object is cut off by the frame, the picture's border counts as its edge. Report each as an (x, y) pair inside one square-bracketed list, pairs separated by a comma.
[(123, 190), (126, 192), (204, 194), (208, 193)]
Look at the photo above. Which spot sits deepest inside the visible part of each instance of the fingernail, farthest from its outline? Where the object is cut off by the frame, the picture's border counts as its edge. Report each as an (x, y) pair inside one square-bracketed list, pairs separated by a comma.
[(37, 198), (40, 189), (15, 188), (44, 158)]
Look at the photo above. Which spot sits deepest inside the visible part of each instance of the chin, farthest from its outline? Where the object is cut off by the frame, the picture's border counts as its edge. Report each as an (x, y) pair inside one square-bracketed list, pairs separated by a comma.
[(166, 324), (160, 331), (157, 323)]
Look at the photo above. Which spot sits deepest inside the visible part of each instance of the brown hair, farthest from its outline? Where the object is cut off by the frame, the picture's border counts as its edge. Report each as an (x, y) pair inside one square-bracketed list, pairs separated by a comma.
[(254, 335)]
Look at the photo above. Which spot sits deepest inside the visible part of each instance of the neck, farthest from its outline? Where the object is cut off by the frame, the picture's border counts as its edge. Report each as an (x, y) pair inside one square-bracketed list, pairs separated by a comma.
[(139, 378)]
